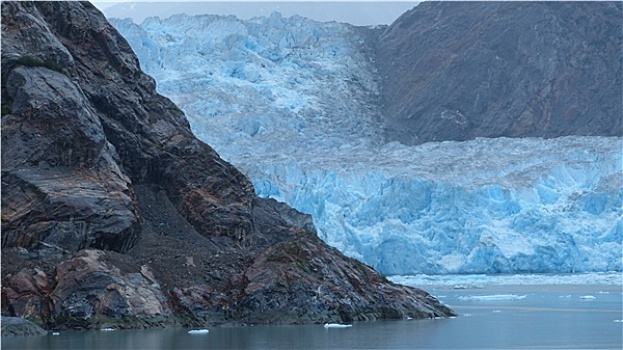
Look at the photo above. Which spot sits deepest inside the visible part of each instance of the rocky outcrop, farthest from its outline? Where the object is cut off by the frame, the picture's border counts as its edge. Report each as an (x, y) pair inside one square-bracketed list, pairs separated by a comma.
[(115, 215), (62, 183), (457, 71), (85, 291), (16, 326)]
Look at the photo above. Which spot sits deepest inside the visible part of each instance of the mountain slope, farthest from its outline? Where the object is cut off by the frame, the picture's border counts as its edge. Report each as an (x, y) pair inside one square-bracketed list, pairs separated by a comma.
[(114, 214), (460, 70)]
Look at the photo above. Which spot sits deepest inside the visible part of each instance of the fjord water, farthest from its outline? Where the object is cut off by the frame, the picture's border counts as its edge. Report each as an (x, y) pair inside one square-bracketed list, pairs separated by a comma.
[(490, 317)]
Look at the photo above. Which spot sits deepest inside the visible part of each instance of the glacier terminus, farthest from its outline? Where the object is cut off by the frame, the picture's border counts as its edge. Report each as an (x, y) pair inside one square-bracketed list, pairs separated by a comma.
[(294, 104)]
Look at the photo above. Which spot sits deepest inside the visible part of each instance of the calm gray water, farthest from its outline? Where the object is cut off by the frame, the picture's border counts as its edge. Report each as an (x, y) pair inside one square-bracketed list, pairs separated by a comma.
[(494, 317)]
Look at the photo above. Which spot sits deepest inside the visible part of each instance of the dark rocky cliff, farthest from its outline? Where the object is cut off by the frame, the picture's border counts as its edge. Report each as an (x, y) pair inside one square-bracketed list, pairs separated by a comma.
[(460, 70), (114, 214)]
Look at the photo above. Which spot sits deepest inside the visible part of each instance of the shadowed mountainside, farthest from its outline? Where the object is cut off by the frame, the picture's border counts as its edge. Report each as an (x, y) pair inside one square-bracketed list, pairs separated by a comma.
[(461, 70)]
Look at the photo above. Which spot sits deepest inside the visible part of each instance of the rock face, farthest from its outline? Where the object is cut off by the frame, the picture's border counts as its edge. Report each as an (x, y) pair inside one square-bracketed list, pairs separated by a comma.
[(114, 214), (456, 71), (16, 326)]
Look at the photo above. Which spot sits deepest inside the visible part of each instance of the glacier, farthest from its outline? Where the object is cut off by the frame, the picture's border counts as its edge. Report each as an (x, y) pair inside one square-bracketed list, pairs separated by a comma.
[(294, 104)]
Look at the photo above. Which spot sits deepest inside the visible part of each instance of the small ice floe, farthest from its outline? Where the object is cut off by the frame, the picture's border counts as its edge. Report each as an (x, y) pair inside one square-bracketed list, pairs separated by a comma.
[(467, 315), (408, 318), (618, 321), (107, 329), (337, 325), (493, 297), (566, 296), (198, 331), (587, 297), (602, 292), (496, 311), (467, 286), (55, 333)]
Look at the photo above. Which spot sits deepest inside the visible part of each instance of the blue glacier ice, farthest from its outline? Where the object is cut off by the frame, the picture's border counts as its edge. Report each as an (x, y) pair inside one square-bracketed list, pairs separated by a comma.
[(293, 103)]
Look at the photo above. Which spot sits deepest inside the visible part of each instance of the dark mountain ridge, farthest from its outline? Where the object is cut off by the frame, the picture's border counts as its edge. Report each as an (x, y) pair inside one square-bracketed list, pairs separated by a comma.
[(115, 215), (461, 70)]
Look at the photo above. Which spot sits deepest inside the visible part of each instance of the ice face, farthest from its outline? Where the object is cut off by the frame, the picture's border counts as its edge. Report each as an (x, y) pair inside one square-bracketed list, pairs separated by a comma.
[(482, 206), (294, 104)]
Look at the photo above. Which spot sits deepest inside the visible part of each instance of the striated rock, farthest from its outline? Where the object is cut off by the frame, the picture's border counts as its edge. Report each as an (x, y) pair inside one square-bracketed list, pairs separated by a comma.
[(115, 215), (86, 288), (324, 285), (25, 293), (461, 70), (61, 181)]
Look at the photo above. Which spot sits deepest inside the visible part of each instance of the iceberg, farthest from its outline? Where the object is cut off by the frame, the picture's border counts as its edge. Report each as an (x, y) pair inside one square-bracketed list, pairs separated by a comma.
[(198, 331), (293, 103), (337, 325), (495, 297)]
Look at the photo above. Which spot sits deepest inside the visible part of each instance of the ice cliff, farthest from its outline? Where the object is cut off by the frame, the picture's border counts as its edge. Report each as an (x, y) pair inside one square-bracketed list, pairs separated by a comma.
[(483, 206), (295, 104)]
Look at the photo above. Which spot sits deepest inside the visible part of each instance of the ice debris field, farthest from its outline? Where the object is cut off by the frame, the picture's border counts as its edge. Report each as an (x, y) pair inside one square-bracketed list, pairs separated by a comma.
[(293, 103), (479, 281)]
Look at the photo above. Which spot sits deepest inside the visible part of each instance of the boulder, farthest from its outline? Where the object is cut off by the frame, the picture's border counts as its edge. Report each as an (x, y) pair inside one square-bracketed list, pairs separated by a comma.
[(16, 326)]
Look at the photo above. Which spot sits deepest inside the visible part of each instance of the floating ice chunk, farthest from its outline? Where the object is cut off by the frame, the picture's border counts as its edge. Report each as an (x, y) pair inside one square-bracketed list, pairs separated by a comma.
[(466, 286), (587, 297), (55, 333), (496, 311), (337, 325), (493, 297), (198, 331), (618, 321), (107, 329)]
